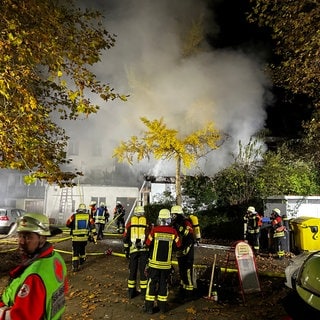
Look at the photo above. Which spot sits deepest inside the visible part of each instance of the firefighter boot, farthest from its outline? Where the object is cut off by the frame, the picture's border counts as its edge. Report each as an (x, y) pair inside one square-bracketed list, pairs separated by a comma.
[(75, 265), (148, 307), (132, 293), (143, 292), (163, 306)]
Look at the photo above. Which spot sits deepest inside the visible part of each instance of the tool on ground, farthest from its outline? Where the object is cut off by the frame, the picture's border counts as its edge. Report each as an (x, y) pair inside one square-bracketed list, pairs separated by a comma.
[(210, 296)]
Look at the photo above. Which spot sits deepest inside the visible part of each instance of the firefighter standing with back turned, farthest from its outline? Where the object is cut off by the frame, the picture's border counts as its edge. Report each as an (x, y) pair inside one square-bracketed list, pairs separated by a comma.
[(134, 238), (251, 228), (82, 229), (185, 255), (100, 218), (162, 240)]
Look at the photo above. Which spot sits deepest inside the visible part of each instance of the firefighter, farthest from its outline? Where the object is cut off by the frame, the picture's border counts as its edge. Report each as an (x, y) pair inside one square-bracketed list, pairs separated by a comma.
[(251, 228), (162, 240), (279, 232), (39, 284), (119, 213), (82, 229), (134, 238), (92, 208), (100, 218), (185, 255)]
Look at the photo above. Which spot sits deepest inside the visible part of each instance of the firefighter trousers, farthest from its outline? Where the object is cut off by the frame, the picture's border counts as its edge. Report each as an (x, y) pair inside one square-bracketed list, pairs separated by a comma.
[(137, 263), (157, 287), (185, 264), (78, 253)]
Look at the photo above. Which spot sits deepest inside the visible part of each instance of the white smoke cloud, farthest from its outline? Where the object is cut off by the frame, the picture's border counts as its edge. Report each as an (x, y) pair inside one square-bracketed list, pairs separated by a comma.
[(223, 86)]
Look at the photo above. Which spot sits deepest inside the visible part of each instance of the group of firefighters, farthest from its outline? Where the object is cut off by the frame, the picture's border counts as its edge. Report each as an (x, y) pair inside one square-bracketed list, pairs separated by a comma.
[(277, 231), (149, 248)]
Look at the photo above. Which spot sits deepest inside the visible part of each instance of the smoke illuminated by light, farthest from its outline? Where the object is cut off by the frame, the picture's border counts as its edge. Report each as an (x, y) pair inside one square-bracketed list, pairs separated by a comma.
[(224, 86)]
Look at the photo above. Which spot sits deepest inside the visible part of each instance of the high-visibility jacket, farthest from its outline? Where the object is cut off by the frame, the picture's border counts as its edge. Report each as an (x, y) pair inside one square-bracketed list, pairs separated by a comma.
[(252, 223), (81, 225), (100, 215), (162, 240), (278, 227), (37, 290)]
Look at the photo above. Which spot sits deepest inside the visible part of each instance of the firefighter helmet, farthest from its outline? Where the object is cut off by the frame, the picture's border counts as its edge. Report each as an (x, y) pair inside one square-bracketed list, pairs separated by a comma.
[(176, 210), (101, 204), (118, 202), (276, 211), (164, 214), (164, 217), (34, 222), (82, 208), (93, 203), (138, 211), (308, 281), (251, 209)]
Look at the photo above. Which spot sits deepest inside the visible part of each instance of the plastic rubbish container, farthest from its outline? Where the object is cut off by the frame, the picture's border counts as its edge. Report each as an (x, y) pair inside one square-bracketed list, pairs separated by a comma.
[(306, 231)]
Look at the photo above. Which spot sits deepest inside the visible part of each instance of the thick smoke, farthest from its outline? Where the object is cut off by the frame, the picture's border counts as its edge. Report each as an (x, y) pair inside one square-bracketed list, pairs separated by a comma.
[(224, 86)]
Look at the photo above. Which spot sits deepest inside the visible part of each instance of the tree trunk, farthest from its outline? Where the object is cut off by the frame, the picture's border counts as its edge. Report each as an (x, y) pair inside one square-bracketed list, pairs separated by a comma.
[(178, 182)]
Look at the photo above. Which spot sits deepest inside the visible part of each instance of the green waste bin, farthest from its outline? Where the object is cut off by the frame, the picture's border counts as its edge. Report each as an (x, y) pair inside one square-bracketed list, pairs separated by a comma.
[(306, 231)]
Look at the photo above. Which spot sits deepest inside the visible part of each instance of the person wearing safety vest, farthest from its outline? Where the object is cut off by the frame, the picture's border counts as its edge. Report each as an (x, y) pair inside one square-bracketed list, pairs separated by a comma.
[(100, 218), (119, 213), (134, 238), (38, 286), (251, 228), (82, 229), (92, 208), (185, 255), (162, 240), (279, 232)]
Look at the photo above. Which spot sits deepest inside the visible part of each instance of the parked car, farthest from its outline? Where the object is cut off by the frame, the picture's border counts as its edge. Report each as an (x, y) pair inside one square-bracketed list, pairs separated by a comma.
[(8, 217)]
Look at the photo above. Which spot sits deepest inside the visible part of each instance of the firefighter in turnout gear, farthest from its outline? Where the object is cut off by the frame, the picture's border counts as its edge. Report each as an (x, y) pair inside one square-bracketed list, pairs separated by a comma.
[(251, 228), (162, 240), (92, 208), (279, 232), (37, 286), (82, 229), (100, 218), (134, 239), (119, 213), (185, 255)]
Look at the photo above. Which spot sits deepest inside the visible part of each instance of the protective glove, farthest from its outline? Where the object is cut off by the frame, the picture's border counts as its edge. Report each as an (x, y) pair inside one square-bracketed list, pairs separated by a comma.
[(146, 271), (127, 253)]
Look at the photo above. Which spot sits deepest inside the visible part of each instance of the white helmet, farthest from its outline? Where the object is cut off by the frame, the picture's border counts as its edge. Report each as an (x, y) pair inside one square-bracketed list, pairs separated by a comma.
[(251, 209)]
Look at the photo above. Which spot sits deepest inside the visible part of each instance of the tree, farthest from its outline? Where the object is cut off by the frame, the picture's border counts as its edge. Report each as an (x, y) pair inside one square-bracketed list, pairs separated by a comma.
[(46, 51), (295, 30), (165, 143)]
